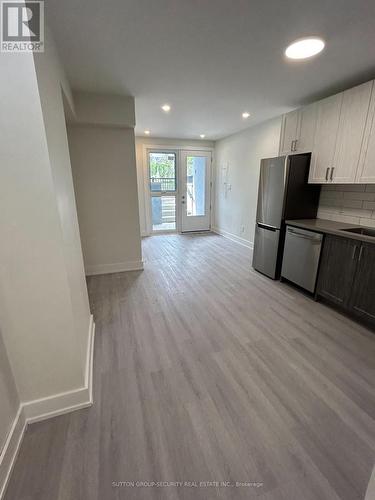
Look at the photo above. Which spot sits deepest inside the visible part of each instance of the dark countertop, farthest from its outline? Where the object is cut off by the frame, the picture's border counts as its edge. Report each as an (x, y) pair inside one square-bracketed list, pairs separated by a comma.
[(331, 227)]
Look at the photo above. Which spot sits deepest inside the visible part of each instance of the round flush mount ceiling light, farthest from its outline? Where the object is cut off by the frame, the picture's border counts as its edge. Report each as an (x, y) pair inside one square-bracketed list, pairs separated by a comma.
[(202, 136), (166, 108), (147, 132), (245, 115), (305, 48)]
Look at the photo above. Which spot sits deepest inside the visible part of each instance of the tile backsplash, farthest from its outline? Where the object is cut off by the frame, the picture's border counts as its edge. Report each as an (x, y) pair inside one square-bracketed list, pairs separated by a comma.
[(352, 203)]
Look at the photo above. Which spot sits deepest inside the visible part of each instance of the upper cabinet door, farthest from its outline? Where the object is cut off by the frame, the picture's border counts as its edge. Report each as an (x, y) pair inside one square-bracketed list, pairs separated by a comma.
[(354, 109), (289, 132), (327, 124), (307, 126), (366, 168)]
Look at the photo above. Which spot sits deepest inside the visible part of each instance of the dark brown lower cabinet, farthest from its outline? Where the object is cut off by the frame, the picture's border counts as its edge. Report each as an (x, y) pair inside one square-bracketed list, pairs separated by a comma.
[(363, 294), (347, 276), (337, 268)]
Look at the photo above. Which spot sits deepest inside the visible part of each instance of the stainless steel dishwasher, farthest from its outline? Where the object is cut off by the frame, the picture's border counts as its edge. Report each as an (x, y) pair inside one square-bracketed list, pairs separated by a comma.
[(301, 257)]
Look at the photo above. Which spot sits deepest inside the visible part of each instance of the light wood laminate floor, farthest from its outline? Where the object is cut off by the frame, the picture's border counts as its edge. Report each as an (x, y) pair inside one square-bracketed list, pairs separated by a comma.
[(207, 371)]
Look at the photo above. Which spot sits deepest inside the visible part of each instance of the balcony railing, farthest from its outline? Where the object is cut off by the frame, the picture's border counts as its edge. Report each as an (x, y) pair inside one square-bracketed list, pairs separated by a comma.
[(163, 184)]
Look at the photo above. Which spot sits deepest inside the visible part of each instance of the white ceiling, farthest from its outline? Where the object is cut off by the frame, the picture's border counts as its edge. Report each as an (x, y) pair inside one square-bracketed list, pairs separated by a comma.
[(212, 59)]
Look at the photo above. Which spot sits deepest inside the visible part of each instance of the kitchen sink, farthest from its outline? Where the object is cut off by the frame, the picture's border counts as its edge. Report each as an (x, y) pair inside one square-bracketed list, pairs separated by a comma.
[(361, 230)]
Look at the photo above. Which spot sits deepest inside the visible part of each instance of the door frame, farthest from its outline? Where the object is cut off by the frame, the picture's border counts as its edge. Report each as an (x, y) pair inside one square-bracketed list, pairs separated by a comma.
[(146, 148)]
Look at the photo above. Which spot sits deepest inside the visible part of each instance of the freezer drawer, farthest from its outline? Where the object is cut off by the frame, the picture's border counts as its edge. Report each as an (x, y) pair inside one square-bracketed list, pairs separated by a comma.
[(301, 257)]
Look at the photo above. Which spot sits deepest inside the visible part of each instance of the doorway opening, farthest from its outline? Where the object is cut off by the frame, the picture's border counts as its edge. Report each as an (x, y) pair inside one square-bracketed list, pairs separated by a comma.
[(179, 190)]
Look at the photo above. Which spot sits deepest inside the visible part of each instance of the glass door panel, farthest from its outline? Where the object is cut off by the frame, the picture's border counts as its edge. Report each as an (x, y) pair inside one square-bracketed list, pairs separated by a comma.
[(195, 185), (195, 190), (163, 189), (163, 211)]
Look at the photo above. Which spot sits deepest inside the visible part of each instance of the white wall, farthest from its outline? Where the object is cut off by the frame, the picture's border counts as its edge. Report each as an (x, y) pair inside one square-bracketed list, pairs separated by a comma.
[(44, 310), (52, 81), (105, 181), (142, 169), (40, 275), (104, 109), (237, 163), (8, 396)]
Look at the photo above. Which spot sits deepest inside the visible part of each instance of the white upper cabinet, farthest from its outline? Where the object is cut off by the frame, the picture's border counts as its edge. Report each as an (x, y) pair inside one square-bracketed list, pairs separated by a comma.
[(327, 125), (307, 126), (340, 133), (366, 167), (354, 110), (298, 128), (289, 132)]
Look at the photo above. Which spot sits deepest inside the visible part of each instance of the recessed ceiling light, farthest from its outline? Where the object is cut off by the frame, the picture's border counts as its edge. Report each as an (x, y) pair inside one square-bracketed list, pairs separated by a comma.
[(147, 132), (245, 114), (166, 108), (202, 136), (304, 48)]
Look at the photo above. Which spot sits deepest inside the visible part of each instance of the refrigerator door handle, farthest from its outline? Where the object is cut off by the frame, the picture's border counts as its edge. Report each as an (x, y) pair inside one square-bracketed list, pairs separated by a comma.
[(267, 226)]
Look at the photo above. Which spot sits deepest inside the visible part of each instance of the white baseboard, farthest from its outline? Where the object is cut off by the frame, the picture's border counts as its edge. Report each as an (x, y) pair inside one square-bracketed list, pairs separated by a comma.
[(233, 237), (41, 409), (65, 402), (117, 267), (10, 451)]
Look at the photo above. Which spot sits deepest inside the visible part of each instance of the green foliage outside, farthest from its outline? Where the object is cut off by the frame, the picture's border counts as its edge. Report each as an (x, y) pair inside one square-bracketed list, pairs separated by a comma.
[(162, 165), (190, 166)]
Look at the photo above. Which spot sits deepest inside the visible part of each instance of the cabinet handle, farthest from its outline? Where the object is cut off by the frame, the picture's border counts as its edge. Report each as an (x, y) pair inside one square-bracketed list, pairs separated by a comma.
[(331, 178), (292, 146), (354, 252), (360, 254), (295, 145), (327, 172)]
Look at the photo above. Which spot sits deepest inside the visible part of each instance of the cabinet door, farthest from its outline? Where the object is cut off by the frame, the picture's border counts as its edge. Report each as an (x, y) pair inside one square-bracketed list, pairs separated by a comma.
[(337, 268), (289, 132), (327, 124), (363, 295), (307, 126), (366, 168), (354, 109)]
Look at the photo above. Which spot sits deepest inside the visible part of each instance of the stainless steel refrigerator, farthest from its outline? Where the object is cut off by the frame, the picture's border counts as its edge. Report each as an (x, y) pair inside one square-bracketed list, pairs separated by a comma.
[(284, 193)]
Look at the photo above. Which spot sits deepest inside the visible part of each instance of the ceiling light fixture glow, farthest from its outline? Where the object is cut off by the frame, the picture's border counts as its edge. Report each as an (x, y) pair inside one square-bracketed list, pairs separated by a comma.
[(202, 136), (166, 108), (304, 48), (245, 115), (147, 132)]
